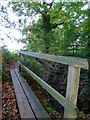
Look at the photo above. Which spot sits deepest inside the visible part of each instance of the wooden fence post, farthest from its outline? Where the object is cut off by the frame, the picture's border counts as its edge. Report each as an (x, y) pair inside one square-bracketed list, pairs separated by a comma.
[(72, 88), (21, 56), (21, 59)]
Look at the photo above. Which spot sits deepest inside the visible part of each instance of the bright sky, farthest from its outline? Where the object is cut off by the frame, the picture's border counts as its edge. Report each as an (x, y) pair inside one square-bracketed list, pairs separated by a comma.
[(12, 44)]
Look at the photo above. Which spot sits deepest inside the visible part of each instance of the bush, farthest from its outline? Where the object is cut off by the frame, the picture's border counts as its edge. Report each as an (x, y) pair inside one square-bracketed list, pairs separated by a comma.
[(34, 66), (8, 56), (6, 59)]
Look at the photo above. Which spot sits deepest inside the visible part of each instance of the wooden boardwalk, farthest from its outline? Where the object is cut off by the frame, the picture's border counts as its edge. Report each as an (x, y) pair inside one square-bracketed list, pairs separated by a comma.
[(28, 104)]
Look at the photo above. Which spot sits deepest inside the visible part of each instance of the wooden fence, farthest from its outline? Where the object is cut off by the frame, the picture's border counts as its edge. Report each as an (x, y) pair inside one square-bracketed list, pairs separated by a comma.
[(74, 66)]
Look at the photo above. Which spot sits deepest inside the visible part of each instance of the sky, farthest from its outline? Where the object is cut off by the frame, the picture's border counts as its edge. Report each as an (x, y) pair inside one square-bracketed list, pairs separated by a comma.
[(12, 43), (4, 40)]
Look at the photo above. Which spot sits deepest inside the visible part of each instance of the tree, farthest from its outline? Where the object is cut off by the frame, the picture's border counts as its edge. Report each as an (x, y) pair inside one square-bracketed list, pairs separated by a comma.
[(57, 19), (59, 25)]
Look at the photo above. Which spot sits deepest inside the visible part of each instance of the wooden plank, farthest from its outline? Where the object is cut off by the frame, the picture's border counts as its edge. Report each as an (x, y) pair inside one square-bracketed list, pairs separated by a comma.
[(24, 108), (62, 100), (72, 88), (33, 100), (77, 62), (22, 57)]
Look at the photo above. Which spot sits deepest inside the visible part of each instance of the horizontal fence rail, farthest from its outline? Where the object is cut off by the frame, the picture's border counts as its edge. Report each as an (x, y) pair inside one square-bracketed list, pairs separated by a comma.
[(77, 62), (74, 66), (62, 100)]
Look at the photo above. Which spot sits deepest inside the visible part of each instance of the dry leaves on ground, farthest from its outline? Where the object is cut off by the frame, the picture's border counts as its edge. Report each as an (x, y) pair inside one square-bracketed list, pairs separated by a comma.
[(9, 105)]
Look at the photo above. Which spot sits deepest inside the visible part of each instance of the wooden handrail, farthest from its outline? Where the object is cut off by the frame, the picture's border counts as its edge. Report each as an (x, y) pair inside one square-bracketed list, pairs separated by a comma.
[(74, 67), (73, 61), (62, 100)]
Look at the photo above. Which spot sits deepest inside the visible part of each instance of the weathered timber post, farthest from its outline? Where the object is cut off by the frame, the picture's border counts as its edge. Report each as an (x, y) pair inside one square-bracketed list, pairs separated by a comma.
[(21, 59), (72, 88)]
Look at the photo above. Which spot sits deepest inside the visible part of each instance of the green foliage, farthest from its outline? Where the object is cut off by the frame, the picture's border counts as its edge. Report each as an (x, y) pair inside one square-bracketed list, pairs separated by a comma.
[(81, 115), (59, 27), (35, 67), (45, 102), (7, 55), (7, 58), (5, 77), (50, 110)]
